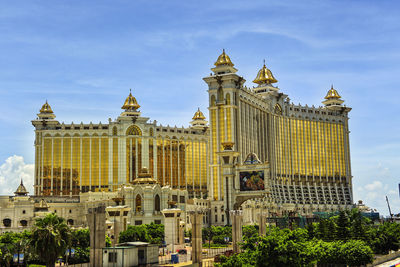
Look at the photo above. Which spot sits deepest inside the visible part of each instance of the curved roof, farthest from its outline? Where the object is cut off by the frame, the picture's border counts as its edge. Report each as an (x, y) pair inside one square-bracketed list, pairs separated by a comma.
[(223, 59), (264, 75), (332, 93), (21, 190), (46, 108), (130, 102), (198, 115)]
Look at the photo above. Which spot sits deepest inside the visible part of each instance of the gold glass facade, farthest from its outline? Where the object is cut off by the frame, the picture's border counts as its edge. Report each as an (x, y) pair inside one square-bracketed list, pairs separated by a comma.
[(306, 148), (69, 162)]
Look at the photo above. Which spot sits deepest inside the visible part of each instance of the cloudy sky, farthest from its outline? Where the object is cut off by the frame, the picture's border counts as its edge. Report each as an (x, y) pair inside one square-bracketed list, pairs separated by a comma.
[(83, 56)]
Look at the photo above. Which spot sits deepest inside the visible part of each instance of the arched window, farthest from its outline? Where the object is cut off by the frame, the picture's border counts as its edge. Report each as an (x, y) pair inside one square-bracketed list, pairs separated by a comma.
[(278, 109), (228, 99), (220, 94), (138, 201), (7, 222), (133, 130), (157, 203), (212, 100), (70, 222), (23, 223)]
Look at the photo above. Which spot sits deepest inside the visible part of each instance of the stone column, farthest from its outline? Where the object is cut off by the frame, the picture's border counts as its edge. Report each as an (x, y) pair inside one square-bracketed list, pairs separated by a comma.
[(196, 218), (118, 216), (262, 224), (171, 226), (96, 219), (236, 217), (181, 237)]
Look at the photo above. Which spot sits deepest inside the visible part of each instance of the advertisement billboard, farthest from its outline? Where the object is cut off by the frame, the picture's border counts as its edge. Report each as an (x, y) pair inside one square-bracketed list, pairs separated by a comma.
[(251, 180)]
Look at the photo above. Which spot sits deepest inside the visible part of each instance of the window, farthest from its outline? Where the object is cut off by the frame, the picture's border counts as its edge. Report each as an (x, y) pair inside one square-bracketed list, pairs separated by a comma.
[(216, 218), (157, 221), (23, 212), (23, 223), (222, 218), (70, 211), (157, 203), (112, 257), (138, 222), (138, 203), (7, 222), (182, 199)]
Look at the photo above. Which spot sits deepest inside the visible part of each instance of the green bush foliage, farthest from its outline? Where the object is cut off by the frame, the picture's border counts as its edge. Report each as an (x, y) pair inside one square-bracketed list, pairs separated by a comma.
[(152, 233)]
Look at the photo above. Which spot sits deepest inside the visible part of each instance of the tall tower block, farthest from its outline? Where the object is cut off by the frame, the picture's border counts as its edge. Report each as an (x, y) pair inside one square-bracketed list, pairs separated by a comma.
[(223, 86)]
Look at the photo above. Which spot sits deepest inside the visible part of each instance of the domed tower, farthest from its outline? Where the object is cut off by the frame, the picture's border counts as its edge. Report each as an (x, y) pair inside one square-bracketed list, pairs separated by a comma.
[(223, 64), (46, 118), (21, 190), (265, 79), (198, 120), (333, 100), (46, 113), (224, 86), (130, 106)]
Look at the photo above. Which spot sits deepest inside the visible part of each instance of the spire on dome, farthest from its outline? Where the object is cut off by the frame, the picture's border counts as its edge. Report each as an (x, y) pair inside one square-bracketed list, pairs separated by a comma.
[(333, 99), (21, 190), (46, 113), (144, 177), (223, 59), (130, 103), (46, 109), (264, 76), (198, 120), (198, 115), (332, 94)]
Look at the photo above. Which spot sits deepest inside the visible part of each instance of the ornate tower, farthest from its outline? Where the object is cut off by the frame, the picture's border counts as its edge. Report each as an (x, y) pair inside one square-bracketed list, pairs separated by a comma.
[(265, 79), (223, 86), (199, 120), (45, 121)]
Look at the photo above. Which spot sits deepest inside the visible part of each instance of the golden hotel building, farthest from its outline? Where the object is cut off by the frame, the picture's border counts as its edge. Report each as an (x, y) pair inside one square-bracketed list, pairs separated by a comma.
[(303, 150)]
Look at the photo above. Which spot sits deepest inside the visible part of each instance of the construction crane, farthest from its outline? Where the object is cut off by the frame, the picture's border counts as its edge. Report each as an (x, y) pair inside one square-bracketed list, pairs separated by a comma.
[(390, 211)]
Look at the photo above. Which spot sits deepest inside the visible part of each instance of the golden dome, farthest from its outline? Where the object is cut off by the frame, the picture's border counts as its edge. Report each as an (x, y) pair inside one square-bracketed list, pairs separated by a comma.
[(223, 59), (21, 190), (130, 102), (144, 177), (198, 115), (46, 108), (264, 76), (332, 93)]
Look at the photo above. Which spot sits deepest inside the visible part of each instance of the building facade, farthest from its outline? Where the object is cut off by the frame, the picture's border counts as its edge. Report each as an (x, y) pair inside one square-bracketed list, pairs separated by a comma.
[(257, 144), (78, 158), (301, 153)]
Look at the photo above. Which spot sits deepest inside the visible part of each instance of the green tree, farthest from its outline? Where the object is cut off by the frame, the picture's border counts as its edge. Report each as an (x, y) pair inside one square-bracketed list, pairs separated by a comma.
[(331, 230), (343, 232), (80, 242), (134, 233), (322, 229), (311, 230), (51, 236), (155, 232), (249, 231), (356, 253)]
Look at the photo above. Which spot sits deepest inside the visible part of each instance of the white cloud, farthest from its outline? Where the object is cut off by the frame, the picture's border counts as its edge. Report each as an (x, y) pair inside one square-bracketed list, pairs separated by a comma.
[(376, 185), (12, 171)]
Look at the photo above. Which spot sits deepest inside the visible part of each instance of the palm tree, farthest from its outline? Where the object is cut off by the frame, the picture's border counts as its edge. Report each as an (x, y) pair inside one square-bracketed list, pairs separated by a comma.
[(51, 236)]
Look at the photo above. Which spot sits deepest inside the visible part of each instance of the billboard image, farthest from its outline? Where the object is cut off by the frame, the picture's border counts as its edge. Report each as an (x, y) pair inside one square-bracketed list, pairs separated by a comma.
[(251, 180)]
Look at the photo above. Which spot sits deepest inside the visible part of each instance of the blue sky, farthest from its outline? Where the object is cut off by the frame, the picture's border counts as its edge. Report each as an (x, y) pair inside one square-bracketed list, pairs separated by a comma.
[(83, 56)]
